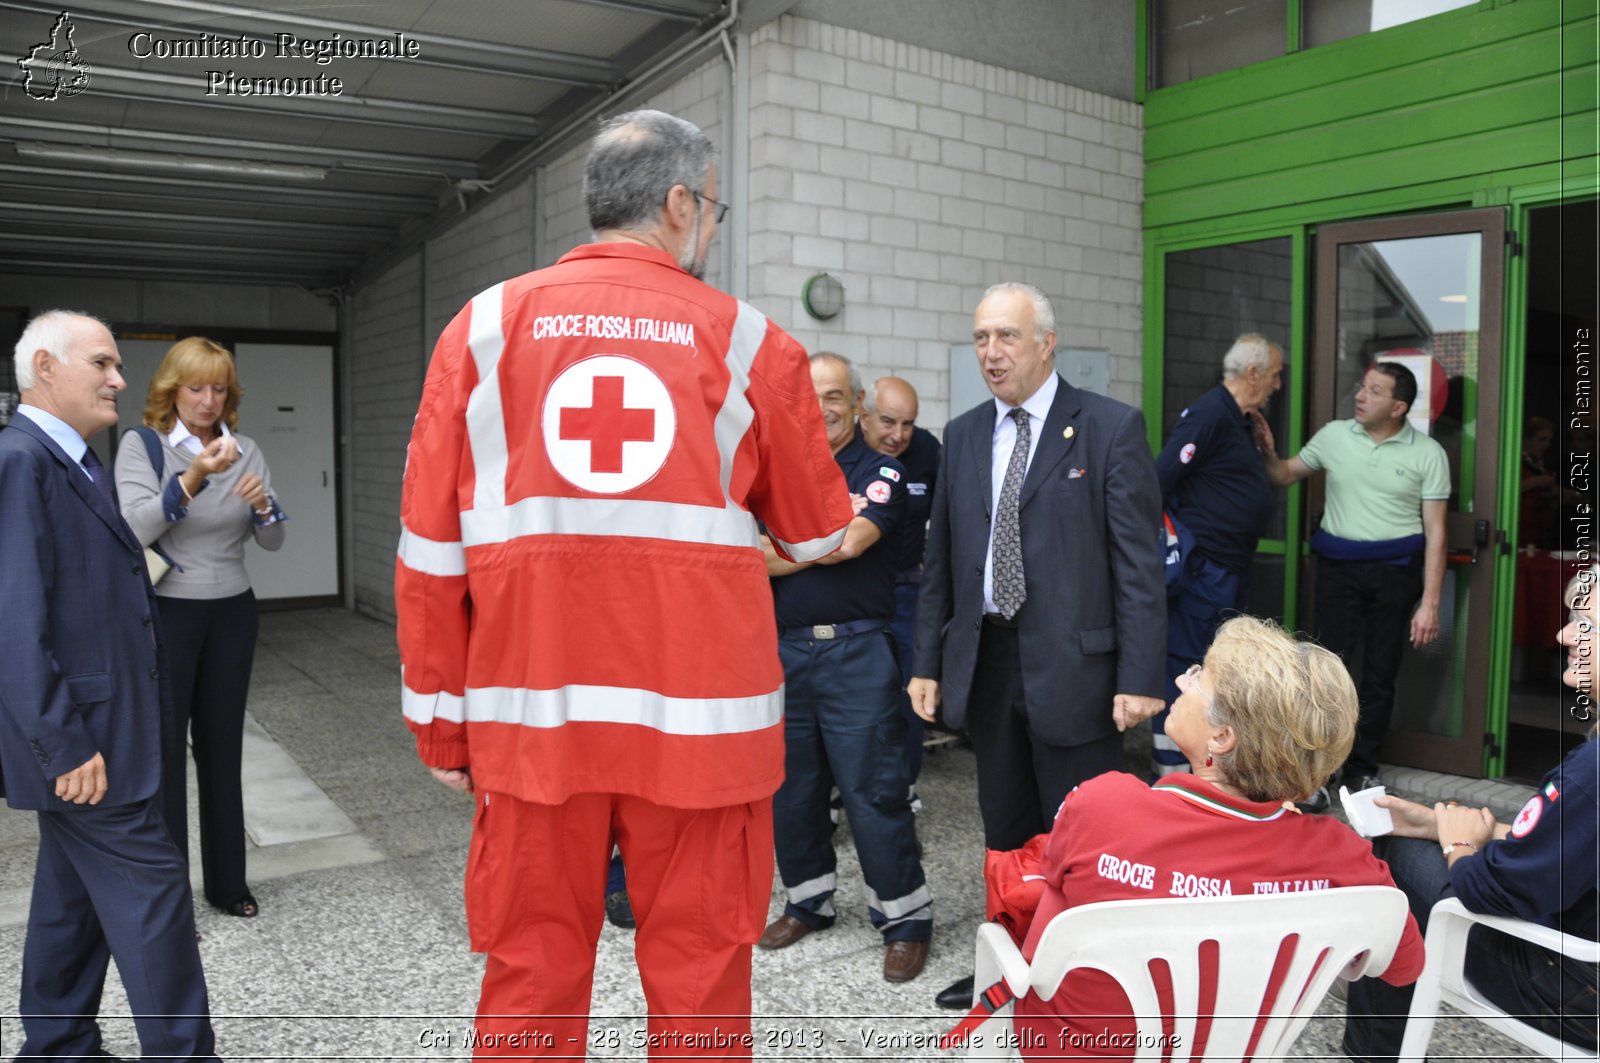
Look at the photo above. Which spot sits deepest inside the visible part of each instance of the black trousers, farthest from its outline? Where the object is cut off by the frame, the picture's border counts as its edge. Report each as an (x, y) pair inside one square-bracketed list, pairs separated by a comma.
[(1367, 605), (211, 644), (1021, 780), (1552, 993), (110, 885)]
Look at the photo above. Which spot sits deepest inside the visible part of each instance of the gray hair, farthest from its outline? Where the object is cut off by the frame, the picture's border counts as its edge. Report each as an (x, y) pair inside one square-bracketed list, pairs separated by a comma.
[(1250, 350), (1044, 315), (50, 331), (849, 367), (636, 160)]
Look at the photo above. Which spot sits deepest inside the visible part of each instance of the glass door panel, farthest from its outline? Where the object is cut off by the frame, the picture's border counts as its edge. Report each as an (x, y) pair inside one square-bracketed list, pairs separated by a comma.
[(1426, 292)]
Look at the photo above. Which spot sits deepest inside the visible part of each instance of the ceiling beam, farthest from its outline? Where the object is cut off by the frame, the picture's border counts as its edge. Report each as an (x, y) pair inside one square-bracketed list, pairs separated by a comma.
[(656, 10), (58, 132), (189, 252), (221, 223), (260, 195), (219, 274)]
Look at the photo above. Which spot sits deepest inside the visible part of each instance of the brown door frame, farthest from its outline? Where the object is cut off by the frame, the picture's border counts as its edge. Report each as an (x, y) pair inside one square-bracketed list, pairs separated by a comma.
[(1464, 755)]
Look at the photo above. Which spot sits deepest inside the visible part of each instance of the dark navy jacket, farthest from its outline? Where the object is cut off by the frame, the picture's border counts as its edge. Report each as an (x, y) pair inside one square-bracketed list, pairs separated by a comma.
[(921, 462), (1214, 480), (83, 672), (862, 588)]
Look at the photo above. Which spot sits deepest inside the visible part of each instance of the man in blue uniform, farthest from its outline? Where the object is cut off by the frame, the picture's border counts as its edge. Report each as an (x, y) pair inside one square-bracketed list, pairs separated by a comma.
[(1215, 482), (889, 425), (842, 723)]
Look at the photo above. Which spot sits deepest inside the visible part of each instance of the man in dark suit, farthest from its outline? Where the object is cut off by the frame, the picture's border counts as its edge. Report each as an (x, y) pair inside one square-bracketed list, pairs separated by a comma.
[(83, 705), (1041, 626)]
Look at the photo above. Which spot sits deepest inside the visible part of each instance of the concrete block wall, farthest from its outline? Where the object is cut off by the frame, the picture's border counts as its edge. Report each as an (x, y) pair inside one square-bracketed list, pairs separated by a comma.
[(487, 246), (919, 178), (387, 364)]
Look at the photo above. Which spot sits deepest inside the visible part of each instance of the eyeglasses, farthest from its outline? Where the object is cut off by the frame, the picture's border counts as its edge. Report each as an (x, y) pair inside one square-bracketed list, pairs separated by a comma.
[(1190, 677), (722, 208), (1371, 392)]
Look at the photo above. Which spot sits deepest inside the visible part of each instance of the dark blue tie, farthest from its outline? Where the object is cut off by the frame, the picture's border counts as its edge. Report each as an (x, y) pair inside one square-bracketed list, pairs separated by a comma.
[(101, 478)]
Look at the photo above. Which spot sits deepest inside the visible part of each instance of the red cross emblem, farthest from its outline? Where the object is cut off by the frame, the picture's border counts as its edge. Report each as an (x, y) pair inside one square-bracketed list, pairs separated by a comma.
[(608, 423)]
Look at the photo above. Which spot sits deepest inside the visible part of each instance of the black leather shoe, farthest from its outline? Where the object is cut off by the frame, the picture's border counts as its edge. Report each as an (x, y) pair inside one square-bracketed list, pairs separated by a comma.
[(1365, 782), (618, 911), (956, 996), (1317, 803)]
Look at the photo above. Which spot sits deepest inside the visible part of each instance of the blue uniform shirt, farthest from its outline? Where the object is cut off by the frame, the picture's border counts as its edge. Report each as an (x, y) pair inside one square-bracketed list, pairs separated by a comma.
[(1214, 479), (921, 462), (862, 589)]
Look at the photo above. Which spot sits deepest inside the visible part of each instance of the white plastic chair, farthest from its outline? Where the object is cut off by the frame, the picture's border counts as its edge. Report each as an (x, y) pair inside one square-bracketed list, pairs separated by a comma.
[(1444, 980), (1349, 932)]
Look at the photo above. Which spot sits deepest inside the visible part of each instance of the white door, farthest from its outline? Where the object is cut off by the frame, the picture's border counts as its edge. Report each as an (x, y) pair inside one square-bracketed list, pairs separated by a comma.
[(288, 411)]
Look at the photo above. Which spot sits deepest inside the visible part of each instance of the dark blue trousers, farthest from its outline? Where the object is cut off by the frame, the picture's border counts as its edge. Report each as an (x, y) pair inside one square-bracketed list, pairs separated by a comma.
[(1206, 596), (842, 727), (110, 884), (1542, 988)]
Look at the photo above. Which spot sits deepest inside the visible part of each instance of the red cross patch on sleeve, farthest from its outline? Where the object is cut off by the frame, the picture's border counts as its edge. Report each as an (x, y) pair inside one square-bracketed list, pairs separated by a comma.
[(878, 491)]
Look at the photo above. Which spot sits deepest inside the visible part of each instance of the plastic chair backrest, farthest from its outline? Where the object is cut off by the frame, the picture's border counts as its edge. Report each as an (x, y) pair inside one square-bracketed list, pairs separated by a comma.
[(1320, 933), (1444, 980)]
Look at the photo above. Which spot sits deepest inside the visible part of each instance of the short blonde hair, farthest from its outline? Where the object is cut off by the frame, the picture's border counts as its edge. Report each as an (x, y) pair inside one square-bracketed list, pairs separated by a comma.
[(1291, 704), (192, 360)]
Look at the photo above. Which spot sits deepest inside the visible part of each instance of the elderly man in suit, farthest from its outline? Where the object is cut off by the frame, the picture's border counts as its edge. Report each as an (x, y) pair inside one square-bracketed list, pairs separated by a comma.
[(83, 705), (1041, 627)]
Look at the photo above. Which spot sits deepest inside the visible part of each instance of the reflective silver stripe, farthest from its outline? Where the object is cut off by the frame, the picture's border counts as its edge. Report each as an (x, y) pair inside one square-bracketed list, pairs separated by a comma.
[(426, 708), (804, 891), (812, 549), (431, 557), (733, 420), (636, 518), (486, 422), (598, 704), (918, 904)]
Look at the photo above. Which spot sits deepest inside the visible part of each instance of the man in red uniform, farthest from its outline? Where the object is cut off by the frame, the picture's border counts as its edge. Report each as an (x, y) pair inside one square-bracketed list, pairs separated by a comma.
[(586, 630)]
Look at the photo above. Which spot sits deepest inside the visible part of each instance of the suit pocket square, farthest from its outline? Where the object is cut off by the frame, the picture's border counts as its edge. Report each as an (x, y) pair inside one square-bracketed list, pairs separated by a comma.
[(1073, 474)]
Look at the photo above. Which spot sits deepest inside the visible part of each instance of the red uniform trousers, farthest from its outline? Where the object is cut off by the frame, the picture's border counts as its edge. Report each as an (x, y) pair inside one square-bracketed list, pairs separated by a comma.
[(699, 881)]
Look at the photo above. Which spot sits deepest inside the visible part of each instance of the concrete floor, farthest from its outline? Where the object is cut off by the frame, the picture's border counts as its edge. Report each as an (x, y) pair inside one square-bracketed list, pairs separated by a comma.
[(357, 857)]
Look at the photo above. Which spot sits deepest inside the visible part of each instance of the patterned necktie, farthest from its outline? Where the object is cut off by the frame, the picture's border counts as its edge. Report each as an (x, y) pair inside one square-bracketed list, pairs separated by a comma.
[(102, 482), (1010, 588)]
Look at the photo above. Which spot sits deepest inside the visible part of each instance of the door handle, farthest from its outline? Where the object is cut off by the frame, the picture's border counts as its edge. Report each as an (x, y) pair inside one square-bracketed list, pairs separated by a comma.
[(325, 481), (1480, 538)]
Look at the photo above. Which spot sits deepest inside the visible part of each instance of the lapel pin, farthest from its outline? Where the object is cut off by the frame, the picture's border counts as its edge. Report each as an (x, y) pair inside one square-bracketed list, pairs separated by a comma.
[(1067, 432)]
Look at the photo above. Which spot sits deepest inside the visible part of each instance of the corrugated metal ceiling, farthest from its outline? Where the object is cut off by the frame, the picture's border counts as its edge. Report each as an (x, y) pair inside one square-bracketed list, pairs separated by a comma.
[(133, 169)]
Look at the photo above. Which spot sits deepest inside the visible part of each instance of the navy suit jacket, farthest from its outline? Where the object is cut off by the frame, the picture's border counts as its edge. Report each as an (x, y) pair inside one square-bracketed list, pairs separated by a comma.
[(82, 666), (1094, 624)]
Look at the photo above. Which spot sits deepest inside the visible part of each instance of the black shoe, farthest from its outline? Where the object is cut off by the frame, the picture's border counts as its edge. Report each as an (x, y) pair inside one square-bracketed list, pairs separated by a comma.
[(618, 911), (1363, 782), (956, 996), (1317, 803)]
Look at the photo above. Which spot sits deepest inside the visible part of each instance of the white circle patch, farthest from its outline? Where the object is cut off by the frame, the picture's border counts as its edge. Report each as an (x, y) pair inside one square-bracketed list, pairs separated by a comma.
[(878, 491), (608, 423), (1528, 818), (1186, 455)]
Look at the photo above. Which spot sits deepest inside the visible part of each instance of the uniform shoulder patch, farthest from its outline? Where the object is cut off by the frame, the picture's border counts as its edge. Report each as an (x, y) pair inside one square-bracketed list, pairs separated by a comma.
[(884, 470), (878, 491), (1186, 455), (1528, 818)]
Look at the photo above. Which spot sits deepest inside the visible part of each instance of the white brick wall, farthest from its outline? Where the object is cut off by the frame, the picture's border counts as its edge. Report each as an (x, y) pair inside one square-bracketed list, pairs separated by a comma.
[(919, 178), (489, 245), (386, 378)]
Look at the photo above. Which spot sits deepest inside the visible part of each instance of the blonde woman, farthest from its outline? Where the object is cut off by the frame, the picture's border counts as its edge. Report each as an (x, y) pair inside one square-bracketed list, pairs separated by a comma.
[(1263, 721), (1542, 867), (207, 496)]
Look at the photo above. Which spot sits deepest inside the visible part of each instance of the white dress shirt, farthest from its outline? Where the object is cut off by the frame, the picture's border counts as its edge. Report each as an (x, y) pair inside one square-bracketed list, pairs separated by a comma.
[(63, 433), (1004, 442)]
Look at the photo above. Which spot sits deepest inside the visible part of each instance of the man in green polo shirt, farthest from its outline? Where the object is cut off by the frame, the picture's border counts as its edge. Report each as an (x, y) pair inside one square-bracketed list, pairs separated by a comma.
[(1380, 547)]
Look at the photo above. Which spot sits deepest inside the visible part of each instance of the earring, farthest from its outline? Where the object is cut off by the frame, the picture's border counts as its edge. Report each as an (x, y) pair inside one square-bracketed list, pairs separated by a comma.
[(1209, 760)]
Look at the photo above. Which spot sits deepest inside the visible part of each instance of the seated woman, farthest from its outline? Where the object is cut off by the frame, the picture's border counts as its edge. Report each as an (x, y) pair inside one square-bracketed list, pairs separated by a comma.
[(1541, 868), (1263, 722)]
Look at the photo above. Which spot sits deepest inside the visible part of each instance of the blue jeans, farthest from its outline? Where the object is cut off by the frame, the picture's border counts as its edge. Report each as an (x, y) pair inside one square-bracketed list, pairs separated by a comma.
[(1553, 994)]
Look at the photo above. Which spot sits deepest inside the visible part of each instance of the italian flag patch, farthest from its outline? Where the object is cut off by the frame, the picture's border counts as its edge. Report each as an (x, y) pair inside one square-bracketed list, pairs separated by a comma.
[(1550, 791)]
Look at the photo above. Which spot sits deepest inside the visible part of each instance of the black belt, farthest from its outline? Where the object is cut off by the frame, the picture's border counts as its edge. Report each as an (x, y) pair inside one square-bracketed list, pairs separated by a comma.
[(996, 620), (835, 631)]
